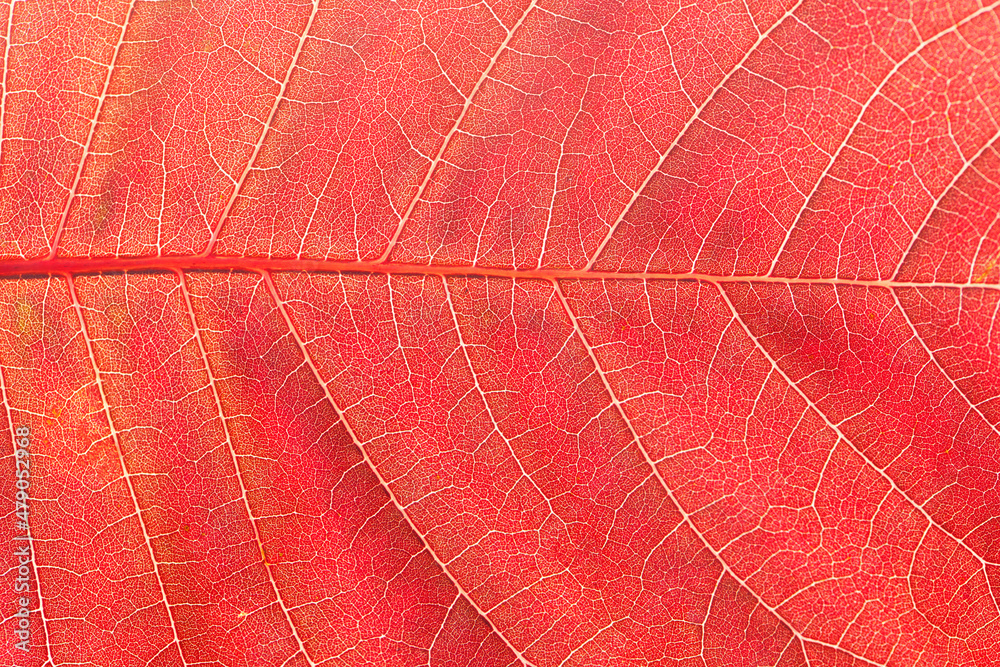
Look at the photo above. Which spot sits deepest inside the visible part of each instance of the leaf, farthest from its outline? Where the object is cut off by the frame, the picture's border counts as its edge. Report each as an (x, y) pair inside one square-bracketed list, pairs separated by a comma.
[(529, 332)]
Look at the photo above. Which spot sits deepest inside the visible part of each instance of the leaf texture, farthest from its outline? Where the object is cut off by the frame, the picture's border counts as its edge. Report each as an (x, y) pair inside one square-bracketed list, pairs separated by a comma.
[(515, 332)]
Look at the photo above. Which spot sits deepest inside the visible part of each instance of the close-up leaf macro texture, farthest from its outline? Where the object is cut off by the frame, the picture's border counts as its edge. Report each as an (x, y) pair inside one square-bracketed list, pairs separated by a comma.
[(473, 333)]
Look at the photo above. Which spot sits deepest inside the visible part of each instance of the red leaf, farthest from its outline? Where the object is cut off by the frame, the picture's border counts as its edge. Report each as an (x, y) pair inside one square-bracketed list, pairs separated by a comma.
[(538, 333)]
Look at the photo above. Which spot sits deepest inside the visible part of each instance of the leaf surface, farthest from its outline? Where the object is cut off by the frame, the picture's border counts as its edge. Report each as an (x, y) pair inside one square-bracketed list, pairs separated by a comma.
[(527, 332)]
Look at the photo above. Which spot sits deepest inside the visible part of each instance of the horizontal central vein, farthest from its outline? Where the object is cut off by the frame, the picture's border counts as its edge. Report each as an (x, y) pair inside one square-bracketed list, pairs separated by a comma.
[(86, 265)]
